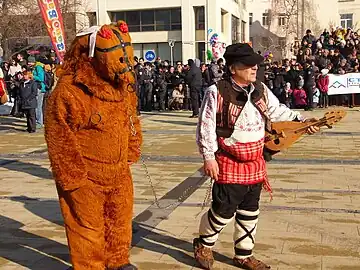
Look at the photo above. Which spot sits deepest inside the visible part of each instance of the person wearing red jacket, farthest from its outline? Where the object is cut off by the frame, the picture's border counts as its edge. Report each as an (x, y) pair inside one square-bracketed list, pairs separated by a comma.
[(323, 84)]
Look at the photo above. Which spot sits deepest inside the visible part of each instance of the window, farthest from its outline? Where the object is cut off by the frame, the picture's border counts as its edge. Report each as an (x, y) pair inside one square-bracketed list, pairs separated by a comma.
[(346, 20), (162, 20), (133, 20), (200, 18), (250, 18), (201, 51), (282, 19), (265, 42), (147, 20), (176, 19), (150, 20), (92, 18), (265, 19), (223, 22), (243, 25), (282, 43), (234, 29)]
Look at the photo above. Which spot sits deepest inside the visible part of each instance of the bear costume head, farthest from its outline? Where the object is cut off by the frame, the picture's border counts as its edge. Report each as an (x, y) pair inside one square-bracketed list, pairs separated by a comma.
[(107, 50)]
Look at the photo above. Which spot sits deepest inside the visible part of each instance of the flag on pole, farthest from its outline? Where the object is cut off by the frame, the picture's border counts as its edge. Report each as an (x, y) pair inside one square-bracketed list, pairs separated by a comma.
[(51, 14)]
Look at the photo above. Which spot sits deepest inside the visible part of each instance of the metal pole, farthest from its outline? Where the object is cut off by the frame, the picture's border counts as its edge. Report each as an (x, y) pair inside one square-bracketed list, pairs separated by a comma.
[(172, 55)]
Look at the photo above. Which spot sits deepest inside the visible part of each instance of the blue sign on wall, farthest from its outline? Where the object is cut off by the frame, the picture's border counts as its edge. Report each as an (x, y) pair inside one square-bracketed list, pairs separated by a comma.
[(150, 56)]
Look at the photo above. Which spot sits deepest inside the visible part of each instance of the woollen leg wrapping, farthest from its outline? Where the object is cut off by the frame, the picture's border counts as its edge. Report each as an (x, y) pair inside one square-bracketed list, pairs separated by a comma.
[(210, 227), (244, 233)]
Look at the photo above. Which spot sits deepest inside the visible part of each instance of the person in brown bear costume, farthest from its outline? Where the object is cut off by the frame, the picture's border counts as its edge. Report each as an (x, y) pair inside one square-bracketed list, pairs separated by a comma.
[(93, 135)]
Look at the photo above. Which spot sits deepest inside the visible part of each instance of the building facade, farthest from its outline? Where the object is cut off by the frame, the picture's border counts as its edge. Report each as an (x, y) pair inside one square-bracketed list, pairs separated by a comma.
[(185, 22), (349, 11), (275, 24)]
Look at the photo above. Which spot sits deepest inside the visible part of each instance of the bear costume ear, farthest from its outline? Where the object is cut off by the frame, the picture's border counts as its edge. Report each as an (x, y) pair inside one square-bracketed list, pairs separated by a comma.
[(123, 27), (106, 32)]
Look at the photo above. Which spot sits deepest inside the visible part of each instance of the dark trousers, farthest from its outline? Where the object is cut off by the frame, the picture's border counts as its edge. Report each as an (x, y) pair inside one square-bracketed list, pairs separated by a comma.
[(162, 94), (324, 99), (30, 120), (186, 105), (310, 95), (227, 198), (147, 91), (194, 95)]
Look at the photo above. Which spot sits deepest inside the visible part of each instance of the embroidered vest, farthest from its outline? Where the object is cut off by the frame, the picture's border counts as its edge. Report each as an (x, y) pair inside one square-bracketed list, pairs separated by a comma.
[(231, 102)]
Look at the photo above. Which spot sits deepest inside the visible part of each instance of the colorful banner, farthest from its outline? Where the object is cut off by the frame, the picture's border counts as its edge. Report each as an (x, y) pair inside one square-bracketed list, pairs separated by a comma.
[(51, 13), (344, 84)]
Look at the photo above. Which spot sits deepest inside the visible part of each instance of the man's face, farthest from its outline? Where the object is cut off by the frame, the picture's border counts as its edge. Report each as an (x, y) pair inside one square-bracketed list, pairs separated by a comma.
[(141, 61), (243, 73)]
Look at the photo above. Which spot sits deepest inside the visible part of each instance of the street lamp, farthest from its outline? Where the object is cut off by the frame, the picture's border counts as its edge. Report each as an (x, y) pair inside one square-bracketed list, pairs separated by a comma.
[(171, 45)]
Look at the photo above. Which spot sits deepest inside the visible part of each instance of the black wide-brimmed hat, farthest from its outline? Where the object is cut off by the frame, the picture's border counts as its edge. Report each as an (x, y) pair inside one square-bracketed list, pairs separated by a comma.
[(242, 53)]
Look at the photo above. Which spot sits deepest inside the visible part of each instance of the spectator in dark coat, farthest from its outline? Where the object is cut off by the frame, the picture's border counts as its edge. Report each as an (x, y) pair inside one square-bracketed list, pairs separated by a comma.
[(194, 80), (28, 97), (309, 83)]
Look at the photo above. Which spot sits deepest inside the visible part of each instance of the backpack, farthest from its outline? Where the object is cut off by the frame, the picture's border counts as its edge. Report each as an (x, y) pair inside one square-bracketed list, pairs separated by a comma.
[(49, 81)]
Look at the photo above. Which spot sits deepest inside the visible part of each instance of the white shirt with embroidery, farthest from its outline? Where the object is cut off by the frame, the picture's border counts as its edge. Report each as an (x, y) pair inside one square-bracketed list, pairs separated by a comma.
[(249, 127)]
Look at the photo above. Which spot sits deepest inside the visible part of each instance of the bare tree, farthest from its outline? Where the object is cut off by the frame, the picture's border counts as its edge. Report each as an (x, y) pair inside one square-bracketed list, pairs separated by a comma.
[(17, 19), (20, 21), (287, 16)]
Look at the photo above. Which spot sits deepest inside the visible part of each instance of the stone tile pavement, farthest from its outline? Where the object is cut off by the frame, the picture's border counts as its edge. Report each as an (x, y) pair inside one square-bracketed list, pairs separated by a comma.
[(312, 223)]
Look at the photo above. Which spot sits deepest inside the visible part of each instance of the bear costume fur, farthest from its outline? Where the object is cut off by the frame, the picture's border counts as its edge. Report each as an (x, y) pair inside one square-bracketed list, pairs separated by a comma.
[(93, 135)]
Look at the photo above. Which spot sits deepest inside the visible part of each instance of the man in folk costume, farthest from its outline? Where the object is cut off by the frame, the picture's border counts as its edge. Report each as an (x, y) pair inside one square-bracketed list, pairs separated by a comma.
[(234, 116)]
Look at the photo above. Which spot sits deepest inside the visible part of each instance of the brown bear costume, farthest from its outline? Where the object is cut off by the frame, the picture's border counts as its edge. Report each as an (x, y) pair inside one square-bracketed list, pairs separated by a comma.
[(93, 135)]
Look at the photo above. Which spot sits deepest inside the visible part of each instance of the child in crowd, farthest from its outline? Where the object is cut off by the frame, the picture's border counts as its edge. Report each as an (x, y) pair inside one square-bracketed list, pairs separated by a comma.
[(299, 95), (316, 97), (28, 97), (177, 100), (288, 95), (323, 84)]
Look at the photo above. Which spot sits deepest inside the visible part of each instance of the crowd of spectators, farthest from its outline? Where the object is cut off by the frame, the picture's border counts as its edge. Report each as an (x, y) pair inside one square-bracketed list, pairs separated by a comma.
[(162, 86), (299, 82), (28, 83), (303, 81)]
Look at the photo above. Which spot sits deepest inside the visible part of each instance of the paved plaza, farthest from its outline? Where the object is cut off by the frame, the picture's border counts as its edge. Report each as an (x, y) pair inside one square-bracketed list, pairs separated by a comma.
[(312, 223)]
